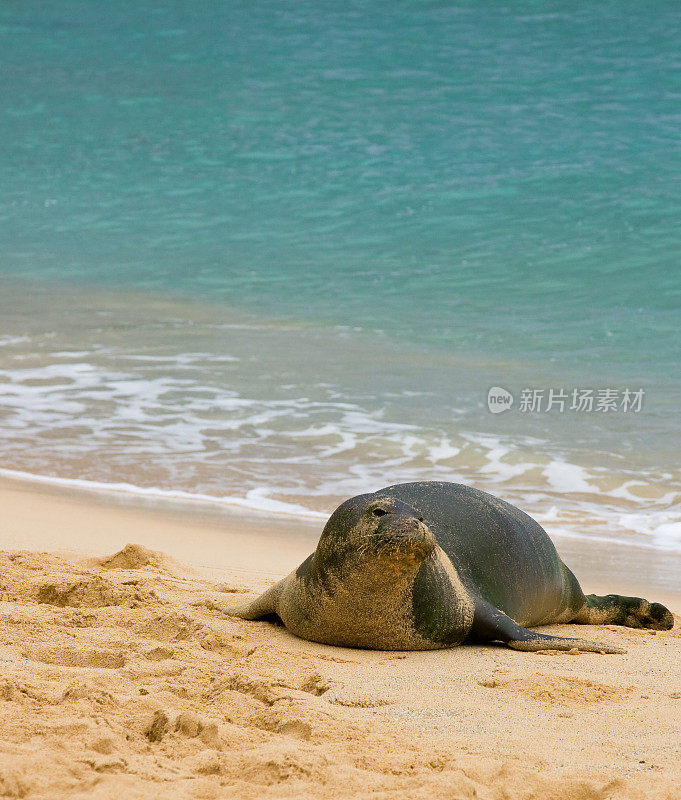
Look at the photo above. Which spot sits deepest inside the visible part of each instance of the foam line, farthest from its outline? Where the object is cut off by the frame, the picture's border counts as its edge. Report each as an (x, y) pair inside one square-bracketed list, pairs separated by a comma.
[(255, 500)]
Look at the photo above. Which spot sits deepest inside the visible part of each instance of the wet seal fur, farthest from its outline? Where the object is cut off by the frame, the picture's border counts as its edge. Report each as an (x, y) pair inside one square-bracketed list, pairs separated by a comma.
[(427, 565)]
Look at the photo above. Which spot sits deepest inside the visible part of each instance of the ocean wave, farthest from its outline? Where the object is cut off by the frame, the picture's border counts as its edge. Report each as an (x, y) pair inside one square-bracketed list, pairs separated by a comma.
[(195, 426)]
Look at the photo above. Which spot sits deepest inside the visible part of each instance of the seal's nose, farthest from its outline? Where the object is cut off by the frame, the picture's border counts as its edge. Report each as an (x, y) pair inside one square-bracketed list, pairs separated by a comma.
[(413, 535), (400, 527)]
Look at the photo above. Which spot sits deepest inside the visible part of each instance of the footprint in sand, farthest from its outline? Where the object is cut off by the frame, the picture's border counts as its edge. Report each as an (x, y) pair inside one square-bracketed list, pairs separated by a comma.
[(169, 627), (558, 689), (158, 653), (67, 656), (284, 761), (284, 723), (91, 592), (270, 692), (317, 685), (176, 627), (262, 690), (340, 695), (186, 723), (356, 698), (95, 696)]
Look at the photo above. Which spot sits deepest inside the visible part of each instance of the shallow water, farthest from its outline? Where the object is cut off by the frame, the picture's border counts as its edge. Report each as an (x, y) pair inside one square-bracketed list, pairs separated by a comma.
[(184, 400)]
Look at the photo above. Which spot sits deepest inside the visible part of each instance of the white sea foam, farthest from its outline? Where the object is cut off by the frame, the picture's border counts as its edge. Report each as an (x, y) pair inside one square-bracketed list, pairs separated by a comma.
[(663, 526), (667, 536), (565, 477), (255, 500), (442, 451), (625, 492), (167, 429)]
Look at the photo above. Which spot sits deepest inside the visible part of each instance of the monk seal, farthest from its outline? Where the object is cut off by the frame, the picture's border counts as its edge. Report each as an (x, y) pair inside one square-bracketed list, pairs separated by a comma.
[(427, 565)]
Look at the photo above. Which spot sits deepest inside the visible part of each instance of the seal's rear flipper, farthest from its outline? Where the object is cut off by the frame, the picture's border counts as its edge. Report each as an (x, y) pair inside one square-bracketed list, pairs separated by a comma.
[(633, 612), (492, 625), (540, 641)]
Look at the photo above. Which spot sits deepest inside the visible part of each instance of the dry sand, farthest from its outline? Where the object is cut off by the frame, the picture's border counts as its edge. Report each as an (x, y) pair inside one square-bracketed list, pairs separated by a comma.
[(122, 677)]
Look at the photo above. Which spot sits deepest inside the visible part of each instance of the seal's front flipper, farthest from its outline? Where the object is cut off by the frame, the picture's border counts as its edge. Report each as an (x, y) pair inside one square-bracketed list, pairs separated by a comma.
[(262, 606), (492, 625)]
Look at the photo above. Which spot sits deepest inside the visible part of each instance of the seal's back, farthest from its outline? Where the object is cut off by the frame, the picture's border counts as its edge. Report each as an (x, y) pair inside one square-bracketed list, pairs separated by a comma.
[(500, 552)]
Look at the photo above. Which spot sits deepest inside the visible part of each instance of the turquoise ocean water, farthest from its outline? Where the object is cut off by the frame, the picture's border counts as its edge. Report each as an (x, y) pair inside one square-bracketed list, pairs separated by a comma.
[(278, 253)]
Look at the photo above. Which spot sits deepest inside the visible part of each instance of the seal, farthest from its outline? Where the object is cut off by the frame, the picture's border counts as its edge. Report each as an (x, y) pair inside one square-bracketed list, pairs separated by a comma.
[(427, 565)]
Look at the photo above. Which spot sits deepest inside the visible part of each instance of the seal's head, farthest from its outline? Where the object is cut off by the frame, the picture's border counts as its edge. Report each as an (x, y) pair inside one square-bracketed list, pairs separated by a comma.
[(377, 579), (376, 527)]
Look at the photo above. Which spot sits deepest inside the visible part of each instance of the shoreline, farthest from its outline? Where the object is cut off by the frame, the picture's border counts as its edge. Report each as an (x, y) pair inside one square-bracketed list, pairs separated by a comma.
[(46, 518), (259, 544), (190, 412)]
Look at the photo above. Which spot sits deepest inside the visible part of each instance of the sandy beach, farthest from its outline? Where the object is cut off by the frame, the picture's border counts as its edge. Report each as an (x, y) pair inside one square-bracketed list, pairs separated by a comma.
[(122, 674)]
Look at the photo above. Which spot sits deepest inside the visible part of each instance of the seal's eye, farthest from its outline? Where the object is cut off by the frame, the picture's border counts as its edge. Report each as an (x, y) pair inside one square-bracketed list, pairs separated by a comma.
[(379, 512)]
